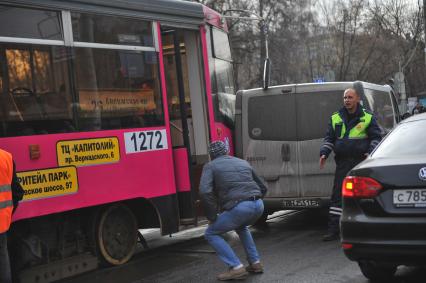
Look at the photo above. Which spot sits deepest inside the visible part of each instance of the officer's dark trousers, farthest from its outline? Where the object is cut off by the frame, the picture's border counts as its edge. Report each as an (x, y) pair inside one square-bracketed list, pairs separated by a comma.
[(5, 275), (343, 166)]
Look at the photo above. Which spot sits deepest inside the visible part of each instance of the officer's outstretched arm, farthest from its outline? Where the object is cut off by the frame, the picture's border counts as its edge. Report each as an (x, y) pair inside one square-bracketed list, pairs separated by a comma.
[(328, 145)]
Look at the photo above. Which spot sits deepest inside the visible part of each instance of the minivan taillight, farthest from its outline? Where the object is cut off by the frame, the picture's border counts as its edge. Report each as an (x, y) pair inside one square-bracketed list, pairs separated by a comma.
[(360, 187)]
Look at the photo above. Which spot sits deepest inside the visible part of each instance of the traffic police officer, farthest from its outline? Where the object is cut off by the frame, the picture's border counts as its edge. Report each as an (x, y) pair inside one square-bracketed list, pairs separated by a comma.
[(352, 134), (11, 193)]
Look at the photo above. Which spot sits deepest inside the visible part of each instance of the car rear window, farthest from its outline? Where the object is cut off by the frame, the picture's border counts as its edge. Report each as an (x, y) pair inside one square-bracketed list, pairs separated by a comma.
[(407, 139)]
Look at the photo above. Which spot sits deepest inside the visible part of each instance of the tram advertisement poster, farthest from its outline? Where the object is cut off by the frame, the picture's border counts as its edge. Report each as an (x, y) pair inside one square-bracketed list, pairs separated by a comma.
[(88, 151), (45, 183), (117, 102)]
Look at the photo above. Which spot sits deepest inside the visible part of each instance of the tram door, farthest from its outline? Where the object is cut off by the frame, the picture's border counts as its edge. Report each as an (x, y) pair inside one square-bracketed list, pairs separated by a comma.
[(188, 115)]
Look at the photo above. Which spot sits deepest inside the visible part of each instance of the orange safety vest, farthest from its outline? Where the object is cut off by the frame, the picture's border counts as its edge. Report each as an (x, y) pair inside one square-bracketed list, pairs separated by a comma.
[(6, 202)]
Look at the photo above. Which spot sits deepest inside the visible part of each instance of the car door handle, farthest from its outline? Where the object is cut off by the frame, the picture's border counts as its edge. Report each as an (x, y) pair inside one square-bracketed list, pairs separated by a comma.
[(285, 152), (271, 178)]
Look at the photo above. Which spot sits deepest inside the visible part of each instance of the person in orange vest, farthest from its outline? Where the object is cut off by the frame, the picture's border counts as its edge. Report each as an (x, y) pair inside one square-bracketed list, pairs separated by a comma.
[(11, 193)]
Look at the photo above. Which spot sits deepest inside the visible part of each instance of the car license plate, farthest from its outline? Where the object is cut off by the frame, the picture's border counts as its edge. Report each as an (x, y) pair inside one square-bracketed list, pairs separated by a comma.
[(301, 203), (409, 198)]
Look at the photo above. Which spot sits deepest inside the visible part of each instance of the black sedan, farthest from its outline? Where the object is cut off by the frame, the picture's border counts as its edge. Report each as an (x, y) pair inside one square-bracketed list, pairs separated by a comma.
[(383, 224)]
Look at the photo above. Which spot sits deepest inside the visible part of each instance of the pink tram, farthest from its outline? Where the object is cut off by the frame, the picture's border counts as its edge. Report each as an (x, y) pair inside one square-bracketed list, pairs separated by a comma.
[(108, 108)]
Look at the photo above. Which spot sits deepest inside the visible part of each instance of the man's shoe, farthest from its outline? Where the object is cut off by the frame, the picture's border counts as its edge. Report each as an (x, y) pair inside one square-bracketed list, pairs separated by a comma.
[(255, 268), (331, 237), (233, 274)]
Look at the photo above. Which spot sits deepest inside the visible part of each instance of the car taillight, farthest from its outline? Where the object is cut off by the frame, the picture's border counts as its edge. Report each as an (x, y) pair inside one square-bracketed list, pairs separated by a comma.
[(360, 187), (347, 246)]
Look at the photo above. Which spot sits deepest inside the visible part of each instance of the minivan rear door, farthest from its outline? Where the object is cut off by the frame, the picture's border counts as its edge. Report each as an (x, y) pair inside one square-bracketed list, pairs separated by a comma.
[(270, 139), (314, 109)]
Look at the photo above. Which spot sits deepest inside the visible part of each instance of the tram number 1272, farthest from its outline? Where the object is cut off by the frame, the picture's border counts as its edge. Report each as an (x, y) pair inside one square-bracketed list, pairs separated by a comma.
[(145, 141)]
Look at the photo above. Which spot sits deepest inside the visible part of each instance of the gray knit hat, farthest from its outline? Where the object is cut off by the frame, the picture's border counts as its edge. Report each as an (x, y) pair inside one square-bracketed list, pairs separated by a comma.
[(217, 148)]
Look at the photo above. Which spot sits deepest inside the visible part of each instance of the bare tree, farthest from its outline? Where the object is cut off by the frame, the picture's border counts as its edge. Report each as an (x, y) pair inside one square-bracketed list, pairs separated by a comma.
[(366, 40)]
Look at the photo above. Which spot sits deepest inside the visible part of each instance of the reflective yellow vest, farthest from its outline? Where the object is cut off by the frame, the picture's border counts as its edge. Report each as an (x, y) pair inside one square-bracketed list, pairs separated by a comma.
[(6, 202), (357, 132)]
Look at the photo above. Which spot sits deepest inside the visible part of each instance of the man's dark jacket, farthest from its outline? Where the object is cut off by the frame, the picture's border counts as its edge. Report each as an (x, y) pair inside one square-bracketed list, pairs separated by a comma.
[(17, 191), (225, 182)]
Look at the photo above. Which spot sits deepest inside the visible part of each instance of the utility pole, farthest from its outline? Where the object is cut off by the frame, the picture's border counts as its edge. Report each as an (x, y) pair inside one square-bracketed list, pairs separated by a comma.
[(264, 53), (262, 36)]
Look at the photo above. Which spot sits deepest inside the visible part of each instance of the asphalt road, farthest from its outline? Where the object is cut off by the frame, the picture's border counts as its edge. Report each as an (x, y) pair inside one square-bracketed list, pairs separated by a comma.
[(290, 247)]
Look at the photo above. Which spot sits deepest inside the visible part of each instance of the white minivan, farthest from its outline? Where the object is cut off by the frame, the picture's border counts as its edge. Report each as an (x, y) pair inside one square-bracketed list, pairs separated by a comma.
[(279, 131)]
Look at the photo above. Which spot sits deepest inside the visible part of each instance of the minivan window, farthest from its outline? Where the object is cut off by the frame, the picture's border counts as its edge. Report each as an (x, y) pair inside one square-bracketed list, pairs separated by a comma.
[(381, 104), (404, 141), (314, 112), (272, 117)]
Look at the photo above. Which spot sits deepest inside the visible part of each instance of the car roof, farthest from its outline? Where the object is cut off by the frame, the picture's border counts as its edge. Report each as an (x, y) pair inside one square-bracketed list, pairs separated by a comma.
[(417, 117), (313, 87)]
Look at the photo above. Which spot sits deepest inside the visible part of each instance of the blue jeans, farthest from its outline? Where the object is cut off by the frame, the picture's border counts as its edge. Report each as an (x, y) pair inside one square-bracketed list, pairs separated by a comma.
[(5, 275), (243, 214)]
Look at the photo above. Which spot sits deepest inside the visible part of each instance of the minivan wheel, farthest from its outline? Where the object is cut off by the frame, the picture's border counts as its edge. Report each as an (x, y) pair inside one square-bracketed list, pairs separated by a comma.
[(376, 271)]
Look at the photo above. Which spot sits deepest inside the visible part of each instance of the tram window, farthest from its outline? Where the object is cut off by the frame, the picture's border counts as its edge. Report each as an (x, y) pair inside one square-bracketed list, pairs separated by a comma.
[(171, 76), (222, 78), (221, 47), (111, 30), (32, 23), (117, 89), (35, 97)]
